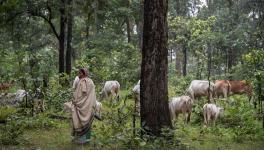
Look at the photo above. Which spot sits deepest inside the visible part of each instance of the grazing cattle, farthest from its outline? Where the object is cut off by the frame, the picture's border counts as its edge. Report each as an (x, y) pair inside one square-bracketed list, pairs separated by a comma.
[(98, 109), (6, 86), (199, 88), (226, 88), (222, 88), (240, 87), (136, 93), (211, 113), (110, 90), (12, 99), (180, 105), (20, 94)]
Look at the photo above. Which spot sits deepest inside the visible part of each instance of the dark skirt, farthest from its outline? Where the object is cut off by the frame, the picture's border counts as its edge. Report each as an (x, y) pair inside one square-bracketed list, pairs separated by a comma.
[(83, 136), (83, 139)]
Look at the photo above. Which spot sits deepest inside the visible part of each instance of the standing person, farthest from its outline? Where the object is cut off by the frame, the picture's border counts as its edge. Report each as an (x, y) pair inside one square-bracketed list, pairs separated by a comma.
[(82, 108)]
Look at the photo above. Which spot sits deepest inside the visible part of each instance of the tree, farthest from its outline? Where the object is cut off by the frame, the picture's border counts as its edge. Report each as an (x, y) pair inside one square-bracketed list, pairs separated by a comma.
[(62, 36), (154, 96), (69, 37), (44, 10)]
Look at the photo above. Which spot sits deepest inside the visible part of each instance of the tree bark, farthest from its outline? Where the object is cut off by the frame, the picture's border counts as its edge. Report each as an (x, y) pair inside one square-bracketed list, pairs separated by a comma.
[(95, 7), (62, 36), (154, 96), (178, 60), (69, 37), (209, 59), (140, 25), (184, 66), (128, 23), (230, 60), (128, 30), (140, 33)]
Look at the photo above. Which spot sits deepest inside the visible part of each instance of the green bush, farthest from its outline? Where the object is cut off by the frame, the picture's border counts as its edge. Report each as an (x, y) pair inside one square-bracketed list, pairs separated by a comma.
[(5, 112), (57, 95), (10, 133)]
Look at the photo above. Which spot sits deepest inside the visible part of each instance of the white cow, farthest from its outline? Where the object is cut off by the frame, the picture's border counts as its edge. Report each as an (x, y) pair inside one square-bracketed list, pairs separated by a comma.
[(98, 108), (136, 93), (199, 88), (110, 90), (20, 94), (180, 105), (211, 112)]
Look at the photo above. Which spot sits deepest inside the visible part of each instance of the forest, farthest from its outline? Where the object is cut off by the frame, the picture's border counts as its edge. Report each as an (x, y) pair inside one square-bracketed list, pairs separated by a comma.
[(157, 74)]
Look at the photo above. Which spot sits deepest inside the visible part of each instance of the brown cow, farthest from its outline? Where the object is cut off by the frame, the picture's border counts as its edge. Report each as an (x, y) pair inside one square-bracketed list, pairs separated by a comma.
[(230, 87), (222, 88), (6, 86), (240, 87)]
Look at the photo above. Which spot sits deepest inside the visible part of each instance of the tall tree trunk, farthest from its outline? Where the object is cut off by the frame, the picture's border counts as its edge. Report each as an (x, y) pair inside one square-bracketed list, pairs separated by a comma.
[(69, 37), (154, 96), (178, 60), (62, 36), (140, 33), (140, 25), (229, 60), (209, 49), (128, 23), (198, 73), (95, 6), (184, 66)]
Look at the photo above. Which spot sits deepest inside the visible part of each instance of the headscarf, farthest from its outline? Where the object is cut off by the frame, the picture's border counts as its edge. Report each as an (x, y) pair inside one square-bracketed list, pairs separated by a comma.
[(84, 71)]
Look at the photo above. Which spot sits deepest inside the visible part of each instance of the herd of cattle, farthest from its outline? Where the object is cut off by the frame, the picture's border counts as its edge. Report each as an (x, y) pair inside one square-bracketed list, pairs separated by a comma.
[(177, 105), (183, 104)]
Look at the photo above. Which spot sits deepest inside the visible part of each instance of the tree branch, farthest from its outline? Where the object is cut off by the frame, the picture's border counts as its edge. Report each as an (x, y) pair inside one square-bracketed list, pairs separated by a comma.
[(47, 19)]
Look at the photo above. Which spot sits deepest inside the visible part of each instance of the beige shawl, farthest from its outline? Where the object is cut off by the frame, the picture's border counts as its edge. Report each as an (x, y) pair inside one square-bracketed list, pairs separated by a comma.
[(82, 107)]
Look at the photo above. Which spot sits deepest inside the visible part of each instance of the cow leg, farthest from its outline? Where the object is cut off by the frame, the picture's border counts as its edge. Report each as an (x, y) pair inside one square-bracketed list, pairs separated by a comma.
[(214, 120), (224, 93), (192, 96), (184, 117), (113, 94), (209, 119), (176, 116), (188, 117), (205, 118), (99, 112)]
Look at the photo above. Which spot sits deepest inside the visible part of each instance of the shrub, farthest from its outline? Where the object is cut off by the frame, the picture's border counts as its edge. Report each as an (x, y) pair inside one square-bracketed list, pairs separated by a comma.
[(10, 133), (5, 112)]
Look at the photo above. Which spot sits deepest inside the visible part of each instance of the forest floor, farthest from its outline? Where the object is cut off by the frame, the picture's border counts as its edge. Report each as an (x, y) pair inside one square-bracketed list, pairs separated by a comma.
[(236, 129), (59, 139)]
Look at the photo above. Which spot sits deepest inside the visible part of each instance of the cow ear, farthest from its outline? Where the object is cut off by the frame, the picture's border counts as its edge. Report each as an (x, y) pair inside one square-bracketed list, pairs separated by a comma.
[(221, 109)]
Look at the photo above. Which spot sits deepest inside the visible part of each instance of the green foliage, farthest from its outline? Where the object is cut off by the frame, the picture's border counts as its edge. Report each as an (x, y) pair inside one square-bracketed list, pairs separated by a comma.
[(10, 133), (231, 32), (56, 95), (40, 121), (5, 112), (117, 60)]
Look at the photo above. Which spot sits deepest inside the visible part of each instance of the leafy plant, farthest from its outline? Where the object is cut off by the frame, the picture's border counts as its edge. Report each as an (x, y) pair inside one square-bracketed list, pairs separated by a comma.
[(10, 133), (5, 112)]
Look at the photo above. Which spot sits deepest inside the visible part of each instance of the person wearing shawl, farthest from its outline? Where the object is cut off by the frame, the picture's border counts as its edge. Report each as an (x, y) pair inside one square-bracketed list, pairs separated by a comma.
[(82, 108)]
